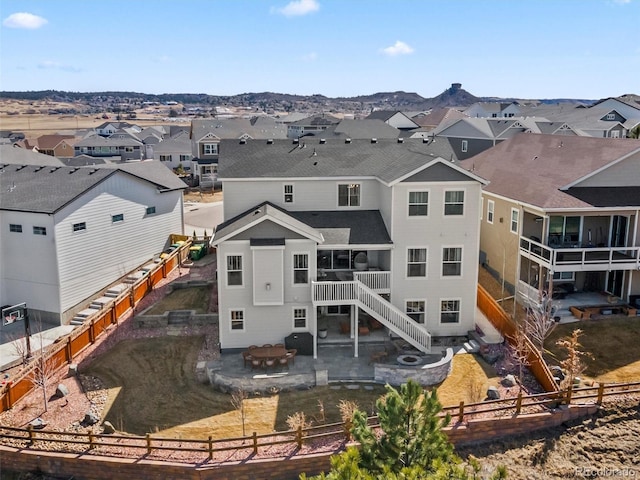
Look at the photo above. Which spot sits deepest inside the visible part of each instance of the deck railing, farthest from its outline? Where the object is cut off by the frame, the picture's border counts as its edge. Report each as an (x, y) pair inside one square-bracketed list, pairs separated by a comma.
[(357, 293), (379, 282)]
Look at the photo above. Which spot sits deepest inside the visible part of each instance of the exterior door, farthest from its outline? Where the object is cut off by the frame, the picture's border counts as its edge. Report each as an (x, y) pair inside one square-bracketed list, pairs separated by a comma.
[(614, 282), (618, 231)]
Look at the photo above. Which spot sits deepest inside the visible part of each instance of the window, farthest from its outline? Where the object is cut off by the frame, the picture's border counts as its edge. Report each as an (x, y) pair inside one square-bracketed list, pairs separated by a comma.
[(418, 204), (450, 311), (451, 261), (415, 310), (15, 228), (151, 210), (234, 270), (300, 268), (237, 319), (79, 227), (615, 134), (288, 194), (490, 208), (299, 318), (611, 116), (465, 145), (117, 218), (568, 276), (454, 202), (209, 169), (39, 231), (165, 158), (210, 149), (349, 195), (130, 150), (417, 262), (563, 231), (185, 158), (515, 215)]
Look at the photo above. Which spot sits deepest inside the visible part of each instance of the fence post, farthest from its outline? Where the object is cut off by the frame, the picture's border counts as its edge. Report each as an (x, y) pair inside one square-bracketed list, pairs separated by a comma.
[(148, 438), (255, 443), (600, 393), (91, 445), (569, 394), (299, 436), (519, 403), (9, 394), (32, 435), (461, 412), (69, 353), (92, 332), (210, 447)]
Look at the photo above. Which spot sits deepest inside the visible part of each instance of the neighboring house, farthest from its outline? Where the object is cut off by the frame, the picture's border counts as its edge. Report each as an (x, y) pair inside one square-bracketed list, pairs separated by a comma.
[(300, 214), (67, 233), (122, 145), (428, 121), (174, 151), (562, 208), (109, 128), (394, 118), (60, 146), (365, 129), (493, 110), (314, 125)]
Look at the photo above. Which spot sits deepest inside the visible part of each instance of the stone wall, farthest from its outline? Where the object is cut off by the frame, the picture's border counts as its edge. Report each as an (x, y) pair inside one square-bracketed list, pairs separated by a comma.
[(430, 374), (181, 317)]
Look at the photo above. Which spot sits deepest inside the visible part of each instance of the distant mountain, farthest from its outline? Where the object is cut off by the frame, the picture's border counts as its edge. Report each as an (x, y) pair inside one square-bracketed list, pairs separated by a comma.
[(455, 96)]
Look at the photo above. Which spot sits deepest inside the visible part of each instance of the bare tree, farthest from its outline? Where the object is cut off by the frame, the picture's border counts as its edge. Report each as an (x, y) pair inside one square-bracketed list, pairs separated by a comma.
[(520, 353), (574, 363), (237, 400), (539, 322), (42, 369)]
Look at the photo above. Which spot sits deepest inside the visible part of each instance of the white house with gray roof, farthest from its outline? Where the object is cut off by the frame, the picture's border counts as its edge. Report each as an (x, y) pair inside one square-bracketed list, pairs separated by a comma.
[(66, 233), (389, 228)]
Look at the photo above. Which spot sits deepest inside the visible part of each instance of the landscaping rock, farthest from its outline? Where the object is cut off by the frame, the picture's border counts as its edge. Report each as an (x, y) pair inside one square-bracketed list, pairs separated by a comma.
[(108, 428), (509, 381), (37, 423), (62, 390), (73, 370), (557, 372), (493, 393), (90, 419)]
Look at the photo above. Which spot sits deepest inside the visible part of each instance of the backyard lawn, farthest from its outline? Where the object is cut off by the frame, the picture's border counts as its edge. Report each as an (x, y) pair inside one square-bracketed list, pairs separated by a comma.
[(192, 298), (158, 392)]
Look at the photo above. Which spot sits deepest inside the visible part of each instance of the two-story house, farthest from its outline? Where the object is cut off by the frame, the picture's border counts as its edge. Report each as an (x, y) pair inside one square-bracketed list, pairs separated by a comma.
[(562, 210), (387, 227), (69, 232)]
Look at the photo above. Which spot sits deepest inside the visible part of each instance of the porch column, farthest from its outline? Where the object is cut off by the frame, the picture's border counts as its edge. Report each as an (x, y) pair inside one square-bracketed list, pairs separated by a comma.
[(354, 328), (314, 322)]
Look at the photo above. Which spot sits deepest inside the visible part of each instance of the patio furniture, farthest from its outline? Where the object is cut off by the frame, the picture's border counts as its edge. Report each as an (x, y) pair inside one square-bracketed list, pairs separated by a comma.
[(267, 345), (270, 362), (251, 347), (265, 353), (246, 357), (256, 363), (283, 361), (302, 342), (279, 345), (291, 355)]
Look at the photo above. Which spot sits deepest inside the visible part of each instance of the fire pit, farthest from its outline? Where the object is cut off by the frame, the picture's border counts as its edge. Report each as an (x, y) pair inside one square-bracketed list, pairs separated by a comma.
[(409, 360)]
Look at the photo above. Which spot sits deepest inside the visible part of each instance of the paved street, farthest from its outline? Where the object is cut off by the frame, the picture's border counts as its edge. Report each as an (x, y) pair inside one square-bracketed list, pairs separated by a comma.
[(199, 217)]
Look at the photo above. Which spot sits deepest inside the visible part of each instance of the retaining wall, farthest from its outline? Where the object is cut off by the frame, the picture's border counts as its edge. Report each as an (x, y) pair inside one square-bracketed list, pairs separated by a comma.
[(430, 374)]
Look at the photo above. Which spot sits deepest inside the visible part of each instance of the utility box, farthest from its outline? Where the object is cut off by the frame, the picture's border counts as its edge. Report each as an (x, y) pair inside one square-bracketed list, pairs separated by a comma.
[(302, 342)]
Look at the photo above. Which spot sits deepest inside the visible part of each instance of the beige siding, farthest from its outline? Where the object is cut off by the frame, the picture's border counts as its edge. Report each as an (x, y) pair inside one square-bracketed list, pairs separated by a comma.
[(623, 174)]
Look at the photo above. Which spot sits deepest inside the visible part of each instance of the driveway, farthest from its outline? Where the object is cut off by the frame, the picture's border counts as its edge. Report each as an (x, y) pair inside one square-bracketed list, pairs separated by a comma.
[(199, 217)]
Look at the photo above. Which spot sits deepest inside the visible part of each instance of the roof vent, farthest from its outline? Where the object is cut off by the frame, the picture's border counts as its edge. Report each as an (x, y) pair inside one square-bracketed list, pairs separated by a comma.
[(54, 169), (374, 140), (296, 141), (20, 168), (400, 140), (93, 171), (425, 139), (270, 141), (347, 140), (323, 141), (38, 169), (73, 170), (242, 141)]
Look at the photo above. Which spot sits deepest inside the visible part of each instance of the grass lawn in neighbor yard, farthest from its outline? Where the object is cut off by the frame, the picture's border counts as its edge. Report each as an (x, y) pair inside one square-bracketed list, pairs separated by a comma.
[(612, 342), (158, 392), (191, 298)]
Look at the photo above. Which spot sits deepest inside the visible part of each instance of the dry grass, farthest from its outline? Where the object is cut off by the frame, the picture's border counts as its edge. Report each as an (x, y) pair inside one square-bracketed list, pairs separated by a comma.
[(468, 382), (203, 196), (193, 298)]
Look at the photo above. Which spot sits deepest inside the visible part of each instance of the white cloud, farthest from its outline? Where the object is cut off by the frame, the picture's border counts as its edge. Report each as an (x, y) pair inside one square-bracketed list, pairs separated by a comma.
[(621, 2), (297, 8), (53, 65), (310, 57), (24, 20), (398, 48)]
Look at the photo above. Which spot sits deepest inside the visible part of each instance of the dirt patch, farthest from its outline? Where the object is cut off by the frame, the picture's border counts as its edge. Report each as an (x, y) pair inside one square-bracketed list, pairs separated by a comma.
[(203, 196), (191, 298)]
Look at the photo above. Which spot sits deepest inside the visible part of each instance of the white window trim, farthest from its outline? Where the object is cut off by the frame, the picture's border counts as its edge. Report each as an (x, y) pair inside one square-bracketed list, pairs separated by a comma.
[(426, 263), (459, 300), (210, 145), (284, 193), (481, 208), (464, 202), (226, 271), (147, 213), (464, 147), (442, 275), (517, 221), (424, 313), (348, 196), (79, 230), (244, 320), (491, 211), (113, 221), (427, 191), (293, 269), (306, 319)]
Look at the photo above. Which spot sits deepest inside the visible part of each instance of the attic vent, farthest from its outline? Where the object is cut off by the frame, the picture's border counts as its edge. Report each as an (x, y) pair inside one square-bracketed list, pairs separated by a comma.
[(323, 141), (73, 170), (425, 140), (20, 168), (38, 169), (374, 140), (242, 141), (296, 141), (270, 141), (400, 140), (347, 140)]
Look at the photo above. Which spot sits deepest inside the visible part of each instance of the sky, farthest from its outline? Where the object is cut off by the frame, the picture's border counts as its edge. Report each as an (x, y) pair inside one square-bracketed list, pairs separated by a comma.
[(584, 49)]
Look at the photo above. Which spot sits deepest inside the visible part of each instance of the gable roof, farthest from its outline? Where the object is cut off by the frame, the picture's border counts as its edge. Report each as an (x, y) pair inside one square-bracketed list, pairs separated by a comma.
[(359, 227), (365, 129), (387, 160), (235, 128), (534, 168), (48, 188)]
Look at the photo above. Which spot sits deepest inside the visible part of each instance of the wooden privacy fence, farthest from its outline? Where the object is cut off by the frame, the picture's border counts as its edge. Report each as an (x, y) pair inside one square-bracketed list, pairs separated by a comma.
[(508, 329), (66, 348), (253, 444)]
